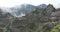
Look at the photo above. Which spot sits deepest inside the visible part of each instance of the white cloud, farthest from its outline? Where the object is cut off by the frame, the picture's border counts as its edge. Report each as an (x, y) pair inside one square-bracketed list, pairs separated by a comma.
[(11, 3)]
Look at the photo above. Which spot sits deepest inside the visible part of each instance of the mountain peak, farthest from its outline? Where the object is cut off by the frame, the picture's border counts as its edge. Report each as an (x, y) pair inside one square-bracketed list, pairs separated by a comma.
[(42, 6)]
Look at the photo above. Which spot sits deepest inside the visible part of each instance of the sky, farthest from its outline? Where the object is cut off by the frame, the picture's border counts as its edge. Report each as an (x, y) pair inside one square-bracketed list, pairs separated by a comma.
[(11, 3)]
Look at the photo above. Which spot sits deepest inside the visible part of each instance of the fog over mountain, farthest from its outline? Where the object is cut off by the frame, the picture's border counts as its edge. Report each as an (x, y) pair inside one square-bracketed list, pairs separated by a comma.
[(21, 10)]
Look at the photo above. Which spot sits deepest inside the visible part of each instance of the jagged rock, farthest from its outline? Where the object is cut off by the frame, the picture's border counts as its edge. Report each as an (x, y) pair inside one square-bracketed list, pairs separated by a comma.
[(49, 9)]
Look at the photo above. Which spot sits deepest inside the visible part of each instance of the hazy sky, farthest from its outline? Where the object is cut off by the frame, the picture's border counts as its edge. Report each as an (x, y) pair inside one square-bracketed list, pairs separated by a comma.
[(11, 3)]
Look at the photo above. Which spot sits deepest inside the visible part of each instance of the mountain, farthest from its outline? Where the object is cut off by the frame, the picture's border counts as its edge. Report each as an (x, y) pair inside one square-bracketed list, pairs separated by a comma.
[(45, 23), (24, 8), (40, 20), (42, 6)]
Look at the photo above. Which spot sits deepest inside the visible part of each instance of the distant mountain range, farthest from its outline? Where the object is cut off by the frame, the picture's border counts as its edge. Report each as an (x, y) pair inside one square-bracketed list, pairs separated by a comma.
[(23, 9), (42, 6)]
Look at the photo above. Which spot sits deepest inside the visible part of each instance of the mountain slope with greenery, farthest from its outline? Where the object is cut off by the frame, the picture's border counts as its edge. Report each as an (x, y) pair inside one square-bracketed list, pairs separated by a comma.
[(39, 20)]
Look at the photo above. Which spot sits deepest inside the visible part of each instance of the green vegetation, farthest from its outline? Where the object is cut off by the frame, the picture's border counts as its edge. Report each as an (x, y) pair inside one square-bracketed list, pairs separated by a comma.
[(56, 28)]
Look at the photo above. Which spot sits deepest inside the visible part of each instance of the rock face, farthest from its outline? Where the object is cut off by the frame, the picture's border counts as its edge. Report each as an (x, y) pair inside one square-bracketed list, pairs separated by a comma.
[(57, 13), (50, 9), (55, 16)]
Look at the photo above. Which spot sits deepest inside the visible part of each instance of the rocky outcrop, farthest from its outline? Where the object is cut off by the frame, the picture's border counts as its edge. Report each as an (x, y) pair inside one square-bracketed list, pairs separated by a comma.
[(50, 9), (56, 14)]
